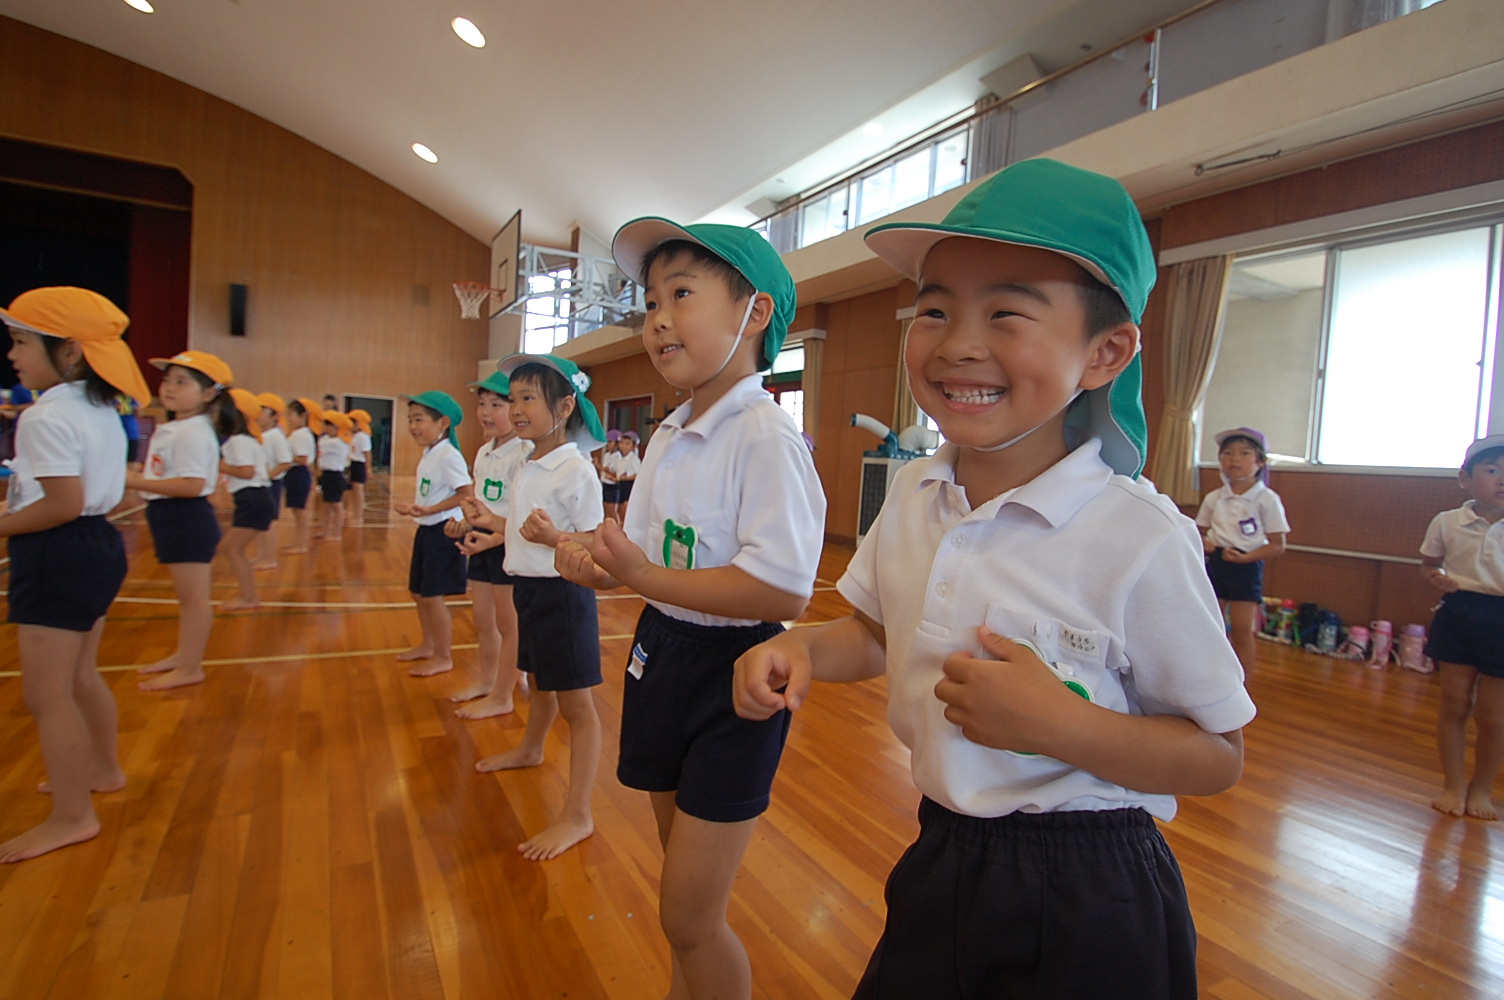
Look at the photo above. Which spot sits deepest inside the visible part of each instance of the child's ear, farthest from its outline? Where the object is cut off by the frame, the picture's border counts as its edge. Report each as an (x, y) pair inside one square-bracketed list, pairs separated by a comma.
[(567, 405), (1110, 351), (762, 314)]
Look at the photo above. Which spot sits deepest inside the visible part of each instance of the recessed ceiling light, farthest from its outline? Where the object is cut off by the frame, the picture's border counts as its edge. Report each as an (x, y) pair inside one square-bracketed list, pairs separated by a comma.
[(872, 128), (425, 153), (468, 32), (142, 6)]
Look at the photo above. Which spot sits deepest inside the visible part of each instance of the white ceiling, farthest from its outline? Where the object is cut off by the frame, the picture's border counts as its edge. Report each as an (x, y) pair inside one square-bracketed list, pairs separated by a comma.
[(590, 112)]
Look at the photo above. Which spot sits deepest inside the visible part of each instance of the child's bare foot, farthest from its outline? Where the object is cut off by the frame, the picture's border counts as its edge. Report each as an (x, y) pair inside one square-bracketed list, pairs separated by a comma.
[(48, 835), (486, 708), (436, 665), (1480, 805), (239, 604), (557, 839), (470, 692), (174, 678), (112, 781), (416, 653), (162, 666), (1449, 802), (521, 757), (264, 565)]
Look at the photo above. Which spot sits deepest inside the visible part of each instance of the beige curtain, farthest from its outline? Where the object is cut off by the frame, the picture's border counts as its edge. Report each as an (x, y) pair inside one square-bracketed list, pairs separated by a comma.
[(905, 410), (814, 362), (1193, 331)]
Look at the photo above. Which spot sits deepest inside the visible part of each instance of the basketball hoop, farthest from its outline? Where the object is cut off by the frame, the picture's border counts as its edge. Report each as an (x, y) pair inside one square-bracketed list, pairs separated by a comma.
[(471, 294)]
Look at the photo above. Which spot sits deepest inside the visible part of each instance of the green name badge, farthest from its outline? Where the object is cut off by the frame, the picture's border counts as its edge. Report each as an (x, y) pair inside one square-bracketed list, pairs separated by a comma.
[(491, 490), (424, 485), (678, 545)]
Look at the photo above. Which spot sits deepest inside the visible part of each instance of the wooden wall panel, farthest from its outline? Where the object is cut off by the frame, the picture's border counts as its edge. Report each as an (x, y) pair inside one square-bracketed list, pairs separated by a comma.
[(333, 258), (1461, 159)]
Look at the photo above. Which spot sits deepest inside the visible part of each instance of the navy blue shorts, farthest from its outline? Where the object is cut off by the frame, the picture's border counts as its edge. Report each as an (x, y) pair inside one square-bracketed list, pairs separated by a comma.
[(332, 485), (611, 492), (1235, 581), (1065, 905), (299, 481), (357, 472), (486, 567), (559, 635), (1467, 630), (679, 730), (183, 529), (276, 499), (626, 490), (438, 566), (253, 508), (66, 577)]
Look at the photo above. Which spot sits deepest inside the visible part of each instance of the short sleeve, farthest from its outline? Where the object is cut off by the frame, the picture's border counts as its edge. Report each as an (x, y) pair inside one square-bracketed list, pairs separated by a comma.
[(580, 496), (54, 447), (1434, 544), (456, 474), (1204, 514), (1273, 513), (780, 518), (859, 584)]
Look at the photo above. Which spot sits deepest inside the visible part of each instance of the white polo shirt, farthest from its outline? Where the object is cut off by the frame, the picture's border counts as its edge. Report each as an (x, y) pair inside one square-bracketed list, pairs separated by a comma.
[(303, 445), (278, 451), (628, 465), (183, 449), (441, 473), (242, 449), (609, 463), (495, 468), (1471, 550), (63, 434), (360, 446), (562, 483), (1242, 521), (334, 454), (736, 487), (1099, 571)]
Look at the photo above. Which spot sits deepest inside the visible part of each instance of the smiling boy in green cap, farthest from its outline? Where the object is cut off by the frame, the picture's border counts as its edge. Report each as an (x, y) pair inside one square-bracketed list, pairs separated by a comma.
[(1058, 667), (437, 569)]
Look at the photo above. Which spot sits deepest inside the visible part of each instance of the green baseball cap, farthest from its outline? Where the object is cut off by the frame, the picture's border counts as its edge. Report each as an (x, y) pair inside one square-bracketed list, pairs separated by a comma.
[(589, 437), (742, 248), (1085, 216), (445, 404), (495, 382)]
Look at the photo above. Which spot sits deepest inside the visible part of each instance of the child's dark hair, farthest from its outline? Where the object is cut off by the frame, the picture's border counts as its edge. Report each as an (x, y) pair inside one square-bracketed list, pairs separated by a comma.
[(1490, 455), (222, 411), (736, 282), (1104, 307), (433, 414), (553, 386), (1258, 449), (95, 387)]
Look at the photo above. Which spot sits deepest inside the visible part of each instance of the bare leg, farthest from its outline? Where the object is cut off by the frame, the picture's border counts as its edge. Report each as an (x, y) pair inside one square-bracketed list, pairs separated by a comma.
[(266, 549), (424, 649), (334, 522), (540, 716), (700, 862), (1488, 753), (190, 582), (481, 675), (575, 821), (357, 503), (232, 546), (1457, 683), (1244, 615), (439, 629), (299, 531), (498, 698), (96, 703), (50, 658), (664, 810)]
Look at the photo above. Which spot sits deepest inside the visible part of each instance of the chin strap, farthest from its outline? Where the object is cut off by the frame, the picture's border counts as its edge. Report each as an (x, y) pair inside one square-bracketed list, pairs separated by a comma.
[(1031, 430), (736, 341)]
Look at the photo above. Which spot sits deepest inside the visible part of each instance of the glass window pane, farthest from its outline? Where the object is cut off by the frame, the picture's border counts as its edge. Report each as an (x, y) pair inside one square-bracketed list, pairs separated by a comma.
[(911, 179), (875, 195), (950, 163), (790, 359), (793, 404), (1406, 340), (823, 218)]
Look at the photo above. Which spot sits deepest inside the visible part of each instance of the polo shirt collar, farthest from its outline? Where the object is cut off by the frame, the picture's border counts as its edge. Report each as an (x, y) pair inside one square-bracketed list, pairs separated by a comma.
[(558, 456), (734, 401), (1055, 494), (1252, 493)]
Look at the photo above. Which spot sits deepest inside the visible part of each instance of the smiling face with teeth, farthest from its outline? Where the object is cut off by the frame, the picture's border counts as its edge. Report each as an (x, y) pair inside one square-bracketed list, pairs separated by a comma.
[(999, 347)]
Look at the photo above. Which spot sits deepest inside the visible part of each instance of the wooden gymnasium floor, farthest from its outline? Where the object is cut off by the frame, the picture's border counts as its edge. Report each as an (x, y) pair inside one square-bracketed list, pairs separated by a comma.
[(307, 824)]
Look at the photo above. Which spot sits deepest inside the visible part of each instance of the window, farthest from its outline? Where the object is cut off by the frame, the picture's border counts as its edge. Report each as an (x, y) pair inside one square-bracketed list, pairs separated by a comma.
[(545, 323), (786, 382), (1366, 354)]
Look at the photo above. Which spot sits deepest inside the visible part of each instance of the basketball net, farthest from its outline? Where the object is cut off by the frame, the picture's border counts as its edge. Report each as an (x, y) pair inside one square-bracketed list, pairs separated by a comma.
[(471, 294)]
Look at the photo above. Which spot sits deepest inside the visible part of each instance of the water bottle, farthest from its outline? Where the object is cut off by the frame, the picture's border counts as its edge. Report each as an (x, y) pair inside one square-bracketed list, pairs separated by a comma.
[(1356, 645), (1326, 633), (1382, 633), (1412, 647)]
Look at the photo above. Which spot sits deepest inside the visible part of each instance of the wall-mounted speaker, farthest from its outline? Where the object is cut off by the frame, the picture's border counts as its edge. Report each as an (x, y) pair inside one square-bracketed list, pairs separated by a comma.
[(237, 310)]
